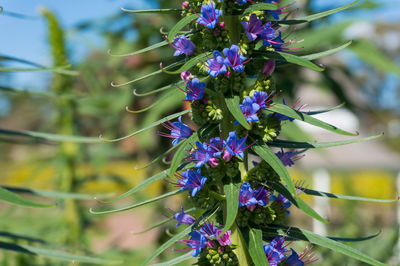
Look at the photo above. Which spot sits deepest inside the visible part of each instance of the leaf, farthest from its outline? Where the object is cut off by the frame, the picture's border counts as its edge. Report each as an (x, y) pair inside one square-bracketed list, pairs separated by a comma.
[(267, 155), (175, 260), (286, 110), (149, 48), (233, 104), (286, 57), (154, 124), (176, 91), (325, 53), (325, 110), (54, 194), (256, 247), (59, 70), (346, 197), (316, 16), (190, 63), (232, 204), (166, 195), (148, 75), (159, 157), (333, 245), (261, 6), (12, 198), (176, 84), (308, 145), (152, 11), (181, 153), (178, 26), (55, 254)]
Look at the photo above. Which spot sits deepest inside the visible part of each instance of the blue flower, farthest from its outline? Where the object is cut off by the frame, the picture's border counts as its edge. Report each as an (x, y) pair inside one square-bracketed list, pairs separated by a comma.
[(282, 117), (305, 257), (201, 154), (286, 157), (254, 29), (179, 131), (260, 98), (249, 109), (275, 251), (183, 46), (209, 15), (217, 146), (183, 218), (293, 259), (275, 13), (209, 230), (246, 195), (216, 65), (192, 180), (262, 196), (233, 58), (195, 90), (234, 146), (242, 2), (281, 199), (196, 242)]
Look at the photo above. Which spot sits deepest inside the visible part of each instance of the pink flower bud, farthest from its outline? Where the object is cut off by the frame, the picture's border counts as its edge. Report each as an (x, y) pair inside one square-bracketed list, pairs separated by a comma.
[(227, 156), (213, 162), (186, 76), (227, 74), (185, 4), (222, 25), (268, 68)]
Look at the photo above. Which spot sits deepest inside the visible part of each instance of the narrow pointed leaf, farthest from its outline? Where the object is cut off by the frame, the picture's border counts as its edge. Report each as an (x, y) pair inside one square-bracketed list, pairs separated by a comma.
[(290, 58), (166, 195), (346, 197), (231, 191), (267, 155), (12, 198), (175, 261), (147, 49), (256, 247), (325, 110), (174, 92), (160, 157), (190, 63), (325, 53), (178, 26), (154, 124), (55, 254), (286, 110), (59, 70), (157, 11), (258, 7), (309, 145), (316, 16), (181, 153), (233, 104), (176, 84)]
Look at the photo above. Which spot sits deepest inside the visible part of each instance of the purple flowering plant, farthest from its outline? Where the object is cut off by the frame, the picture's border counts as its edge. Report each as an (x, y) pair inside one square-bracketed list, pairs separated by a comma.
[(241, 208)]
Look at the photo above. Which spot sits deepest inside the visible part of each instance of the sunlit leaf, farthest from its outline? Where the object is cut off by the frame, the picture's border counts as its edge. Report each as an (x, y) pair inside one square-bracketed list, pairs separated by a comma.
[(12, 198)]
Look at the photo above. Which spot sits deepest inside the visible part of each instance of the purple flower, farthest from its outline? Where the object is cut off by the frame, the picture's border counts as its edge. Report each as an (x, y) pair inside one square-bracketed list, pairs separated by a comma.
[(225, 239), (217, 146), (201, 154), (183, 46), (274, 251), (216, 65), (275, 13), (249, 109), (233, 58), (246, 195), (183, 218), (196, 242), (262, 196), (294, 260), (281, 199), (186, 76), (209, 15), (209, 230), (255, 29), (192, 180), (305, 257), (179, 131), (234, 146), (286, 157), (260, 98), (242, 2), (269, 67), (195, 90)]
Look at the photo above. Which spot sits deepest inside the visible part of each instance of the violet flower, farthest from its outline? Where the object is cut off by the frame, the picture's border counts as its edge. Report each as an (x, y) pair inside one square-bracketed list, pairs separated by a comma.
[(201, 154), (195, 90), (209, 15), (234, 59), (192, 180), (216, 65), (196, 242), (183, 46), (260, 98), (275, 251), (183, 218), (178, 129), (225, 239), (249, 109), (255, 29), (305, 257), (246, 195), (234, 146)]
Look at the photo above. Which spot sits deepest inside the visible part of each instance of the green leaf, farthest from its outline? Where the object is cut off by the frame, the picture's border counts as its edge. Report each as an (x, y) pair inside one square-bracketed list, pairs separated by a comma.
[(286, 57), (181, 153), (175, 261), (256, 247), (346, 197), (325, 110), (149, 48), (190, 63), (154, 124), (174, 92), (233, 104), (54, 194), (286, 110), (178, 26), (148, 75), (325, 53), (232, 204), (59, 70), (55, 254), (308, 145), (333, 245), (267, 155), (12, 198), (159, 157), (316, 16), (166, 195), (261, 6), (176, 84), (152, 11)]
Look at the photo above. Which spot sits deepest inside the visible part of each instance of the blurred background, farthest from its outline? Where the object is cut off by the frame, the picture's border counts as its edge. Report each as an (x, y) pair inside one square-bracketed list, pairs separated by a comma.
[(45, 33)]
